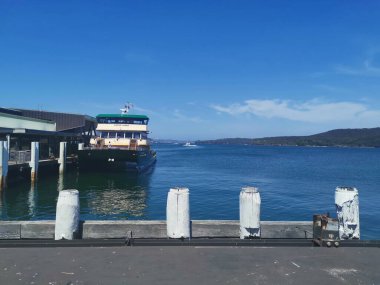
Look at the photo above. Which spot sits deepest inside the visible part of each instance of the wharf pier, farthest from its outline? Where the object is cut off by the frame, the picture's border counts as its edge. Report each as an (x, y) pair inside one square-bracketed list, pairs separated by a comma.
[(29, 169), (14, 166), (139, 252), (33, 139)]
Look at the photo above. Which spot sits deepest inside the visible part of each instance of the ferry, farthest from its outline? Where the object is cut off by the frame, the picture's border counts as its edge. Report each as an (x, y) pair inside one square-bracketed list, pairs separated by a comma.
[(121, 143), (189, 144)]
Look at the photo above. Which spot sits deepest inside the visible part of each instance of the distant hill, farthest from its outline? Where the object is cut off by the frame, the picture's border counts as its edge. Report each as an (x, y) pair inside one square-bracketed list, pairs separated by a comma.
[(339, 137)]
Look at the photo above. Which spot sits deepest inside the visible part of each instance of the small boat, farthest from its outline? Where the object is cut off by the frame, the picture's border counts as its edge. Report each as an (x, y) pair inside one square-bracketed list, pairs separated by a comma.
[(121, 144), (189, 144)]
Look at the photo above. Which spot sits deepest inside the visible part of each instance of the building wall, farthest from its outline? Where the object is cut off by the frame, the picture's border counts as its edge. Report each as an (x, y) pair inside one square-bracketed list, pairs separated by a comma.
[(19, 122), (64, 121)]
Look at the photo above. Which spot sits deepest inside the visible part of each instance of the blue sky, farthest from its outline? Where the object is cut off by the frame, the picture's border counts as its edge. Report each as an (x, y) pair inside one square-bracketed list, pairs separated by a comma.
[(200, 69)]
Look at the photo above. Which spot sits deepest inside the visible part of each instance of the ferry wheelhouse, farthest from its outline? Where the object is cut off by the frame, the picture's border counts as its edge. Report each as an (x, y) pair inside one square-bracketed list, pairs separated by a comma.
[(121, 143)]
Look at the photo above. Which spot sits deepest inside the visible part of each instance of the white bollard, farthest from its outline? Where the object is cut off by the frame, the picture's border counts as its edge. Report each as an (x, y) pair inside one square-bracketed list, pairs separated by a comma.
[(347, 209), (178, 213), (80, 146), (3, 164), (67, 216), (62, 157), (250, 202), (34, 160)]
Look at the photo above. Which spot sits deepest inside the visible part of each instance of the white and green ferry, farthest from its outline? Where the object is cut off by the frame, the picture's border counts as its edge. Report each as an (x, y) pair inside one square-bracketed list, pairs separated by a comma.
[(121, 144)]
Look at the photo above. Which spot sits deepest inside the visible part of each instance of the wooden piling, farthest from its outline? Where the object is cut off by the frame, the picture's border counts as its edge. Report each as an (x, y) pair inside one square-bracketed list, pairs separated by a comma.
[(62, 157), (3, 164), (9, 145), (34, 160)]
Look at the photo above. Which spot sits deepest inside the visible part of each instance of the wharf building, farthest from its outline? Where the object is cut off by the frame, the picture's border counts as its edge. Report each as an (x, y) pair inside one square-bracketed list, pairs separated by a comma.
[(20, 127)]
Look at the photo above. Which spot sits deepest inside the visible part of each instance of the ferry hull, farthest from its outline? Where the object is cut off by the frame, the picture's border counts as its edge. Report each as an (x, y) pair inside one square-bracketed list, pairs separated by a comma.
[(116, 159)]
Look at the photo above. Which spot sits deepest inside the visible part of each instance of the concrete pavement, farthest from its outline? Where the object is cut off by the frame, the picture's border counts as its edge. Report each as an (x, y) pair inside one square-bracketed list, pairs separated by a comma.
[(189, 265)]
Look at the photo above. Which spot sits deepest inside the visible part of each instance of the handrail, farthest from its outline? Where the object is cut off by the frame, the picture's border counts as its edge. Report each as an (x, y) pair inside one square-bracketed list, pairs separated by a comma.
[(19, 157)]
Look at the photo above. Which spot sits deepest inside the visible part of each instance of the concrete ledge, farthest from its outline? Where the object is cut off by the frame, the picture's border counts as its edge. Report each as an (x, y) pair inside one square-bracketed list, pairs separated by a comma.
[(10, 230), (122, 229), (269, 229), (153, 229), (37, 229), (200, 229), (285, 229), (214, 228)]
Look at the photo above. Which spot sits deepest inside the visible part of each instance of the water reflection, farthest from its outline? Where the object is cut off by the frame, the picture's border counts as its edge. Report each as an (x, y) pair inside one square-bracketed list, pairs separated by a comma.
[(102, 196), (113, 195), (2, 206), (32, 199)]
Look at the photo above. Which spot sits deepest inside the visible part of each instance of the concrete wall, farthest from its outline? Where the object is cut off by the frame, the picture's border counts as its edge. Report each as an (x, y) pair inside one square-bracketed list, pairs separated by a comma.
[(152, 229)]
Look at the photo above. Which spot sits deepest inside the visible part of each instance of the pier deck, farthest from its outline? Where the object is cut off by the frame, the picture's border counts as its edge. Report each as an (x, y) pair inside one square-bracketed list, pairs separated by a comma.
[(42, 162), (189, 265)]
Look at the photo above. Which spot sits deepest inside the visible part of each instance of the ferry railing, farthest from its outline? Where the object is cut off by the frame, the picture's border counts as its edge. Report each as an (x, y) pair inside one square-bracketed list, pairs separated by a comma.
[(112, 147), (19, 157)]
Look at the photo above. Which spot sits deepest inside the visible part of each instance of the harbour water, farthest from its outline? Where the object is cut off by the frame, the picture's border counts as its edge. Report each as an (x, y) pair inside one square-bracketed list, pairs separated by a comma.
[(295, 183)]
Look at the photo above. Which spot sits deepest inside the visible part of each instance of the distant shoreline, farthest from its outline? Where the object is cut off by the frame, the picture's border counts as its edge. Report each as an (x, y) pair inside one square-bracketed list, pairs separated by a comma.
[(267, 145), (362, 138), (308, 146), (367, 138)]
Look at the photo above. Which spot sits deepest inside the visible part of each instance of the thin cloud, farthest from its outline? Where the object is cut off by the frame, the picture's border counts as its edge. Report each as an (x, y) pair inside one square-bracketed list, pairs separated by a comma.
[(146, 111), (180, 116), (367, 68), (312, 111)]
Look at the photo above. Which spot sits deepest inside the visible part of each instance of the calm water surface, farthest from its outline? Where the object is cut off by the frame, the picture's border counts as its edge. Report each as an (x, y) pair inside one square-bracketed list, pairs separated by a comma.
[(294, 182)]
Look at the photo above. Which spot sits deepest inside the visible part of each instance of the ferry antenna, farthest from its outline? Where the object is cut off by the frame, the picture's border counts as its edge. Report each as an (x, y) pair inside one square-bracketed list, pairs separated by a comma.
[(126, 108)]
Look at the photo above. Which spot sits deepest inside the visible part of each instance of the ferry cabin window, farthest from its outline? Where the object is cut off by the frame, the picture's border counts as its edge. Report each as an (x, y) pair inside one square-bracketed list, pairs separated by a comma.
[(106, 121), (140, 136), (122, 121), (118, 135)]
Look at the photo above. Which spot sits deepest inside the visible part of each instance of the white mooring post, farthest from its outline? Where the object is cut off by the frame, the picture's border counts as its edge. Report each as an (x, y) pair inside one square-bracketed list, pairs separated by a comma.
[(250, 202), (347, 209), (34, 160), (9, 145), (80, 146), (67, 216), (178, 213), (3, 164), (62, 157)]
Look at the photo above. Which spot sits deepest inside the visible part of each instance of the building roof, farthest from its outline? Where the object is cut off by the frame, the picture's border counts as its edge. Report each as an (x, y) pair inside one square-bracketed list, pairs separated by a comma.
[(64, 121)]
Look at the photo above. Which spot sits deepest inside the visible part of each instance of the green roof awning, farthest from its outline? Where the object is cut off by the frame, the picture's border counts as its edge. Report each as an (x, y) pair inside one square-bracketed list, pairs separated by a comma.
[(127, 116)]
